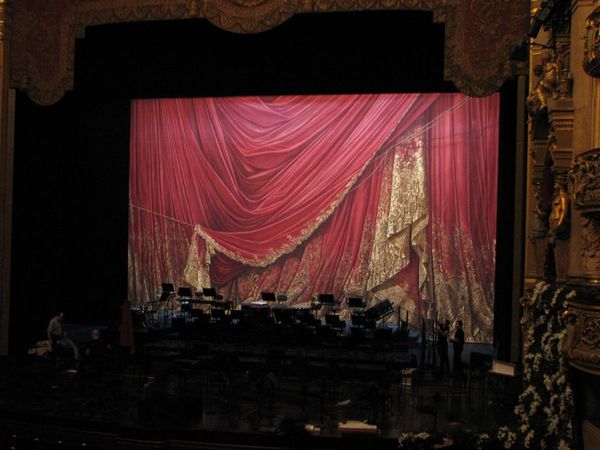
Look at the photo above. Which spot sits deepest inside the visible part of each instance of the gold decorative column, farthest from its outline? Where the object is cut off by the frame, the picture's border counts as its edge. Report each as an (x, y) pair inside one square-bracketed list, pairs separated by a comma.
[(584, 183), (560, 146), (551, 125), (6, 170)]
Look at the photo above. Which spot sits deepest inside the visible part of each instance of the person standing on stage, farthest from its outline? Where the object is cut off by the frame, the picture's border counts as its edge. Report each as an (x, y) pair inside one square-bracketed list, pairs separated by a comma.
[(458, 342), (96, 353), (58, 337), (443, 330)]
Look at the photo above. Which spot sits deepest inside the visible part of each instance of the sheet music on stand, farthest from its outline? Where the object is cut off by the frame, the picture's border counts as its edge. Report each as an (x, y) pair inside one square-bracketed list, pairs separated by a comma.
[(503, 368)]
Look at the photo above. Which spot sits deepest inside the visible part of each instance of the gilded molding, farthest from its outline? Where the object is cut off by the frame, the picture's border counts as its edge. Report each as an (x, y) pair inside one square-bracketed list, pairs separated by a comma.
[(254, 16), (583, 280), (591, 56), (6, 12), (590, 245), (563, 124), (249, 17), (478, 38), (584, 178), (584, 352)]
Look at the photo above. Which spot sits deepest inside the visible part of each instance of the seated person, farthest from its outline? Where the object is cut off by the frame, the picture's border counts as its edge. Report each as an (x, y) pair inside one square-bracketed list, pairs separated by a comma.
[(58, 337)]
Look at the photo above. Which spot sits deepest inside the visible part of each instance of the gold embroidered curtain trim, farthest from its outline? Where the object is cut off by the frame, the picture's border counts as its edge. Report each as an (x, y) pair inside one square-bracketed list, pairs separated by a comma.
[(403, 215), (458, 292)]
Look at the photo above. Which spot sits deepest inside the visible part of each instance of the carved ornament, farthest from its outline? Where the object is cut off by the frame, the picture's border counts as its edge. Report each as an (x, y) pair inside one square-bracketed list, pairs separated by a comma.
[(479, 33), (591, 56), (584, 178), (590, 245), (538, 228), (5, 20), (584, 337), (546, 85)]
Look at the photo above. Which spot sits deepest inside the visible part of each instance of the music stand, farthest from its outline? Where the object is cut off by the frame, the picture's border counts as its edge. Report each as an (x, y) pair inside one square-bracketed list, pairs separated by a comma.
[(184, 292), (282, 298), (326, 299), (268, 296), (168, 288), (355, 302), (209, 292), (379, 311)]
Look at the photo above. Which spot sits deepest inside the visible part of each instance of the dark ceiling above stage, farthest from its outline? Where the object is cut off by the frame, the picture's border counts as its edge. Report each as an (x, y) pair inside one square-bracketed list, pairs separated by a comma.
[(329, 53)]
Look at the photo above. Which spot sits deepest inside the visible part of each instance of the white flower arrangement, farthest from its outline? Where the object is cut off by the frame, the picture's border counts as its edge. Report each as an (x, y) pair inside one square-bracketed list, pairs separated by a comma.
[(508, 437), (545, 409), (528, 438), (406, 439), (562, 445)]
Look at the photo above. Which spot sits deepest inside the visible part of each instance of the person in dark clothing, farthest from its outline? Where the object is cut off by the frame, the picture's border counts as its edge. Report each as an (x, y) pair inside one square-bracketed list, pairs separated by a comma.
[(458, 342), (443, 330), (96, 353)]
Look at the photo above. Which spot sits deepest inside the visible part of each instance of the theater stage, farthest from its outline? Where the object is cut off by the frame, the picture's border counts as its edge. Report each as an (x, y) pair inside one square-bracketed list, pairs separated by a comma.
[(184, 389)]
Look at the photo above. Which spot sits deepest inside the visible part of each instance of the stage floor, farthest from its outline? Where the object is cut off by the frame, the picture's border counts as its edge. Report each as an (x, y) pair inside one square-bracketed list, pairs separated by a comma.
[(176, 386)]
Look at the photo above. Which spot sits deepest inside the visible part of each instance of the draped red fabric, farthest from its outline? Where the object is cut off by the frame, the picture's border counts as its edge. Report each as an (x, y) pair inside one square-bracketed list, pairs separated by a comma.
[(340, 238), (462, 166), (333, 259), (285, 193), (257, 174)]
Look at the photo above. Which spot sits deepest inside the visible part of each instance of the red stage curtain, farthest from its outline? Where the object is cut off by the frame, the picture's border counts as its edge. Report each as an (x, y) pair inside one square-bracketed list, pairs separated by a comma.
[(390, 195), (258, 176), (462, 177)]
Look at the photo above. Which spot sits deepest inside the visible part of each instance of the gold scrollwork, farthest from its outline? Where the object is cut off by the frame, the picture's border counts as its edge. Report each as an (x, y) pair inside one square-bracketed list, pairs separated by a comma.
[(584, 178), (591, 56), (583, 327), (6, 12), (547, 85)]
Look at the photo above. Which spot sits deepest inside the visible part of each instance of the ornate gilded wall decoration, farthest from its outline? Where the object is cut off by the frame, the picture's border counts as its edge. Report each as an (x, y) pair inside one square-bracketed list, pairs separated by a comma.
[(547, 84), (590, 332), (563, 56), (478, 38), (590, 244), (591, 56), (584, 178), (559, 220), (584, 333), (538, 229)]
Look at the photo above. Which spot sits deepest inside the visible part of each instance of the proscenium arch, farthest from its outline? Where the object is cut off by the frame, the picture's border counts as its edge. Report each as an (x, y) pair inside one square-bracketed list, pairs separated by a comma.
[(477, 39)]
